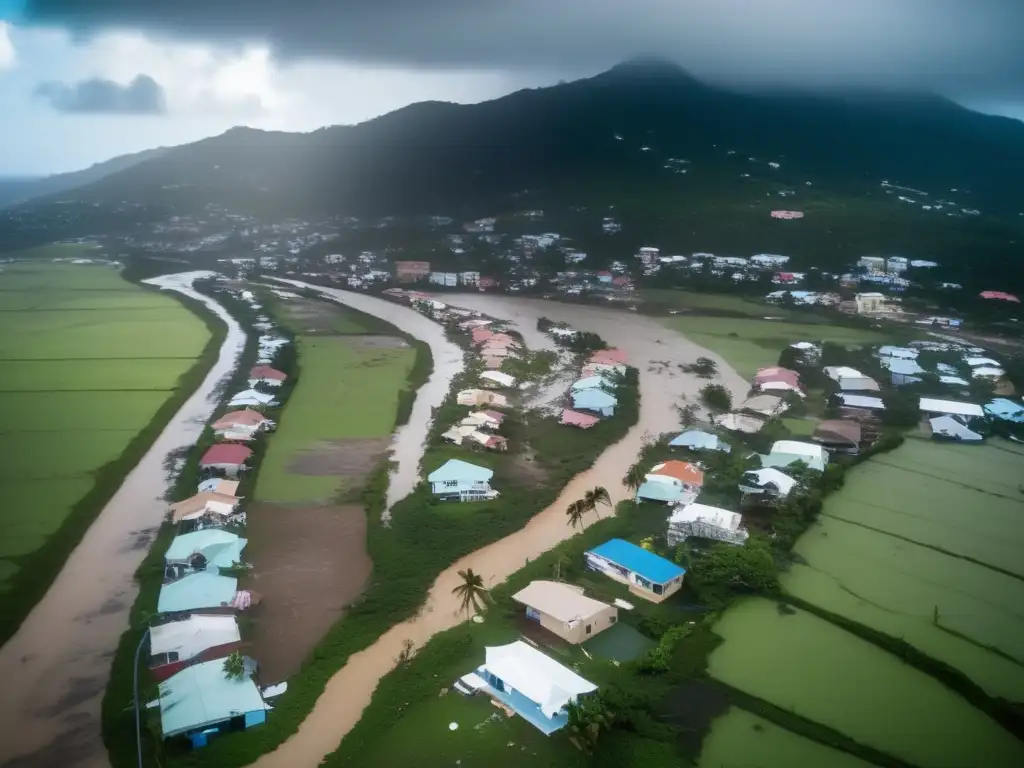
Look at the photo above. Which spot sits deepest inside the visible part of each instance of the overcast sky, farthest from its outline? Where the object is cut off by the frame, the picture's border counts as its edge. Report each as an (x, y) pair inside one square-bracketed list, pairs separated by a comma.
[(84, 80)]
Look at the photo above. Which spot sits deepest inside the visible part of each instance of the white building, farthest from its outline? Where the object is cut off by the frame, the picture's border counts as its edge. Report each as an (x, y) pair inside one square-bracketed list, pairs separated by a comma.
[(469, 278), (447, 279), (872, 263), (705, 522), (648, 255)]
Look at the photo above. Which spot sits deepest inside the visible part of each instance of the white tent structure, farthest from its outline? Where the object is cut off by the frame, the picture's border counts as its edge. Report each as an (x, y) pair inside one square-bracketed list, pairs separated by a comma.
[(705, 522), (536, 676)]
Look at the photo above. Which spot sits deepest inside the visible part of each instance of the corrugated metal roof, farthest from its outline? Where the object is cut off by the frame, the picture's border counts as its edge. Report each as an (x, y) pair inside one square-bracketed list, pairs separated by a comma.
[(637, 559)]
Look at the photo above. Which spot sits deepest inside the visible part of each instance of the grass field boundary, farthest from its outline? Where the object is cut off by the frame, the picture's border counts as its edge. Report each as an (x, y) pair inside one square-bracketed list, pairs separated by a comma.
[(38, 570)]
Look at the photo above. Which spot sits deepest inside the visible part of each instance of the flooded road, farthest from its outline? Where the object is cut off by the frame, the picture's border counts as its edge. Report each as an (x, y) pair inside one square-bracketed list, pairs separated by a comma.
[(54, 670), (409, 439), (649, 345)]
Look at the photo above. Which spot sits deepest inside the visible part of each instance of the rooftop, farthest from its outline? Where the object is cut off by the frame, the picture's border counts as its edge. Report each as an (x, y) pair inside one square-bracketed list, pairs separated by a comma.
[(639, 560), (559, 601)]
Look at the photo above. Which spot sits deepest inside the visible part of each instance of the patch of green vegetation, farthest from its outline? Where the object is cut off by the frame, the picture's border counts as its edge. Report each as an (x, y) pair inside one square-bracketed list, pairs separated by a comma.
[(346, 390), (662, 300), (751, 344), (842, 683), (66, 452)]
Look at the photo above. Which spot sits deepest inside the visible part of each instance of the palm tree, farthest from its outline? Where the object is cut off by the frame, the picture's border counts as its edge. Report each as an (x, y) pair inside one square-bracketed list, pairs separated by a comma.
[(576, 512), (635, 477), (471, 592), (585, 723), (234, 666), (598, 495)]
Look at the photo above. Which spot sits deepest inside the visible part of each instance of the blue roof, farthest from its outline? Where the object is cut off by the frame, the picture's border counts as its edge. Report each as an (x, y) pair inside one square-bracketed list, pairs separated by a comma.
[(696, 438), (198, 590), (221, 548), (592, 398), (593, 382), (454, 469), (201, 695), (904, 367), (1005, 409), (637, 559)]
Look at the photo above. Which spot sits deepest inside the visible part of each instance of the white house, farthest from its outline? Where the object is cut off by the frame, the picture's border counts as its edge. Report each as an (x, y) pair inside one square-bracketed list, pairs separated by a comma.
[(932, 407), (705, 522), (251, 397), (787, 452), (498, 378)]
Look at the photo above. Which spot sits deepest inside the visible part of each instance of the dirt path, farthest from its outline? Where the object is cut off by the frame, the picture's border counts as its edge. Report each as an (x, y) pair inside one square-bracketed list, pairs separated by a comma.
[(349, 691), (55, 669)]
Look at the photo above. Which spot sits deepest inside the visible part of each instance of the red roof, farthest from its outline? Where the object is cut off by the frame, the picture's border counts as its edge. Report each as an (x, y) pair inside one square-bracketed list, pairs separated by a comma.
[(266, 372), (683, 471), (776, 373), (1001, 295), (577, 419), (481, 335), (609, 356), (226, 453), (498, 416), (247, 417), (620, 280)]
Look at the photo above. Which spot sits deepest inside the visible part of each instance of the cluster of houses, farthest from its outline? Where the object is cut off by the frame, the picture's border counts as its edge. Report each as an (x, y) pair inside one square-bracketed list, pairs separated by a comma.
[(592, 396), (195, 632)]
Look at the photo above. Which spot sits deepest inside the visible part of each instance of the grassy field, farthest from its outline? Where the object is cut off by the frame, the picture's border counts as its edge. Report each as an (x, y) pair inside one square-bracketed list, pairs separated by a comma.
[(751, 344), (814, 669), (698, 302), (86, 361), (346, 391)]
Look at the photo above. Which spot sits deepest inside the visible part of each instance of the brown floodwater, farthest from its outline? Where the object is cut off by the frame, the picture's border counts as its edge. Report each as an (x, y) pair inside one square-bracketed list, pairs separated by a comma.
[(55, 668), (649, 346), (408, 440)]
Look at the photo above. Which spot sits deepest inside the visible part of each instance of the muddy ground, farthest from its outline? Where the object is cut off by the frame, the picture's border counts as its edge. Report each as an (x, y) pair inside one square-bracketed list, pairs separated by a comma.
[(309, 563), (351, 457)]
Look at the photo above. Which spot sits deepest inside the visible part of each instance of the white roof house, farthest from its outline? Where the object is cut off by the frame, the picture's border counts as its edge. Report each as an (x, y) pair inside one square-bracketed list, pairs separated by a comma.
[(903, 353), (976, 362), (705, 522), (559, 601), (986, 372), (950, 408), (762, 477), (950, 428), (739, 422), (862, 401), (786, 452), (193, 635), (536, 676), (837, 372), (499, 378), (251, 397)]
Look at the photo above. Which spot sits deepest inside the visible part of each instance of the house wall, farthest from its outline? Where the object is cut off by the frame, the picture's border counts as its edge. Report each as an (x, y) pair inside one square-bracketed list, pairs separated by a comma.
[(630, 579), (165, 671), (578, 634), (256, 717)]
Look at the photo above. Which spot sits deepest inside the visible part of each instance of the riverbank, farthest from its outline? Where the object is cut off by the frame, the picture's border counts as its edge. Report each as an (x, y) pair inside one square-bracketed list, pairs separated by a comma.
[(59, 660)]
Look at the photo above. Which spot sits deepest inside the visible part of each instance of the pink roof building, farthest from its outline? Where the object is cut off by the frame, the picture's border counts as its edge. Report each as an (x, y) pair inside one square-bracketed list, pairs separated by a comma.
[(787, 215), (1000, 295), (775, 373), (610, 356), (266, 372), (224, 455), (577, 419), (480, 335)]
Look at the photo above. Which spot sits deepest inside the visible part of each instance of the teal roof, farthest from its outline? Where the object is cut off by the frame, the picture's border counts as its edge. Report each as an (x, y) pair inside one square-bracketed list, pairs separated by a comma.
[(592, 399), (221, 548), (198, 590), (200, 696), (658, 491), (593, 382), (637, 559), (454, 469)]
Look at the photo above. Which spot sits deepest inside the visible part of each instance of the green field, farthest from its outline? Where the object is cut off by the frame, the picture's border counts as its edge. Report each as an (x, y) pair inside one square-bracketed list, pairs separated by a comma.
[(818, 671), (86, 361), (346, 390), (698, 302), (751, 344), (740, 739)]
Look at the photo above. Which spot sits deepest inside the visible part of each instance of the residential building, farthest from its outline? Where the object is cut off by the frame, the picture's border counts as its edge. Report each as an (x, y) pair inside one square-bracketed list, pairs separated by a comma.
[(1005, 410), (768, 482), (247, 419), (872, 263), (903, 371), (594, 400), (481, 397), (175, 645), (462, 481), (202, 504), (252, 398), (469, 278), (839, 435), (611, 357), (648, 255), (565, 611), (200, 591), (577, 419), (672, 482), (497, 379), (787, 452), (646, 574), (953, 429), (530, 683), (264, 374), (1000, 296), (698, 440), (767, 406), (207, 550), (868, 303), (226, 458), (896, 264), (858, 384), (593, 382), (739, 422), (859, 403), (201, 700), (411, 271), (446, 279), (933, 407), (701, 521)]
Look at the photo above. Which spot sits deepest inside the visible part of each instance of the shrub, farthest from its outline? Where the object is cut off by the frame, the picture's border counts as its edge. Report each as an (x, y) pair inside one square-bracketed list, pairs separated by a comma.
[(716, 397)]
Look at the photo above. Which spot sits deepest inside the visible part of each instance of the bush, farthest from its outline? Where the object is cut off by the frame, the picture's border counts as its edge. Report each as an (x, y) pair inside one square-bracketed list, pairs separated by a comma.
[(716, 397)]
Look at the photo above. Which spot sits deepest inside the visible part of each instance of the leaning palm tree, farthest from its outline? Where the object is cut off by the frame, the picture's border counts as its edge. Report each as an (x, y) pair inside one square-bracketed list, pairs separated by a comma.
[(597, 495), (634, 478), (471, 592), (576, 512)]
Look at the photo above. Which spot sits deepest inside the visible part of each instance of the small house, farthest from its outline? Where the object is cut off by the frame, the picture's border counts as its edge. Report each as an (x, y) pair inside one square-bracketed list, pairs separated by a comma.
[(931, 407), (530, 683), (739, 422), (201, 591), (595, 400), (202, 504), (264, 374), (860, 403), (219, 485), (577, 419), (700, 521), (953, 429), (201, 700), (225, 457), (646, 574), (837, 372), (672, 482), (481, 397), (241, 422), (903, 371), (593, 382), (787, 452), (252, 397), (838, 435), (565, 611), (1005, 410), (462, 481), (767, 406), (497, 379), (175, 645), (698, 440), (857, 384), (768, 482), (207, 550)]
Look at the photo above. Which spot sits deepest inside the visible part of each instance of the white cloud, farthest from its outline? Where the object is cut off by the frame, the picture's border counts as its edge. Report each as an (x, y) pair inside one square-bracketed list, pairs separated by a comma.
[(7, 56)]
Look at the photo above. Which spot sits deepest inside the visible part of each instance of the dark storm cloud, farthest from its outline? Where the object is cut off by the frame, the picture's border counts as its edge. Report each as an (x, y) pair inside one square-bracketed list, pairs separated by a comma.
[(975, 46), (142, 96)]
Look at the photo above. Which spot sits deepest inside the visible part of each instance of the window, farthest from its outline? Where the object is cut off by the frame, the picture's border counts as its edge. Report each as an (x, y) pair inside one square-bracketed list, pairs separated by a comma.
[(450, 483), (589, 628), (658, 589), (612, 619)]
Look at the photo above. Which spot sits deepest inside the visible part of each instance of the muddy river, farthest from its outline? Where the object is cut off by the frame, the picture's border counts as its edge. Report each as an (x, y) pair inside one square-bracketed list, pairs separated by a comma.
[(408, 441), (54, 670), (652, 349)]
